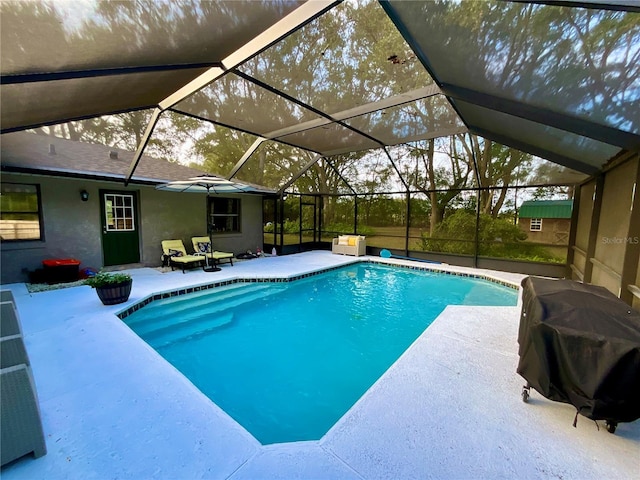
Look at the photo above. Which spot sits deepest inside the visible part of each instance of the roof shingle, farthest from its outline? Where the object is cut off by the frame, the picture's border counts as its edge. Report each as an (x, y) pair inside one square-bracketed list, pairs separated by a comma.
[(29, 151)]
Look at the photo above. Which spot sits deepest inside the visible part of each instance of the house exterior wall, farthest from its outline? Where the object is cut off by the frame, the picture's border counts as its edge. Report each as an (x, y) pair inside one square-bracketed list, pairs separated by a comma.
[(72, 228), (555, 231), (170, 215)]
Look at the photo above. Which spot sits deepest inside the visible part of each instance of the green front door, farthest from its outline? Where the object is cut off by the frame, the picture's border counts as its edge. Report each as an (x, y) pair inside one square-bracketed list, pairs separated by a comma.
[(120, 241)]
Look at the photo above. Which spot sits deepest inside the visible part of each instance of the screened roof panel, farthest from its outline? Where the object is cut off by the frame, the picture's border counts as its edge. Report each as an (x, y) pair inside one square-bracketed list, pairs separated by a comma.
[(543, 172), (578, 61), (373, 172), (325, 176), (351, 56), (216, 148), (424, 118), (273, 164), (561, 82), (442, 171), (591, 154), (31, 104), (92, 35), (330, 139), (233, 100)]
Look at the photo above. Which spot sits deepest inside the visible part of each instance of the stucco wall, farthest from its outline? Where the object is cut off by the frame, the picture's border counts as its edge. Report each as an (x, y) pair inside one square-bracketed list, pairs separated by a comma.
[(72, 228), (607, 239), (613, 227)]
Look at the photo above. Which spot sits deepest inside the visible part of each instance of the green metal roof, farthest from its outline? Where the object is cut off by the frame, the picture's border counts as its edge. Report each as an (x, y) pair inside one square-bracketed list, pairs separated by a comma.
[(546, 209)]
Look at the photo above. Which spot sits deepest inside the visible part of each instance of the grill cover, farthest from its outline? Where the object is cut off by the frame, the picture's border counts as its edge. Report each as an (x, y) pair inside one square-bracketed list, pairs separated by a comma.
[(580, 344)]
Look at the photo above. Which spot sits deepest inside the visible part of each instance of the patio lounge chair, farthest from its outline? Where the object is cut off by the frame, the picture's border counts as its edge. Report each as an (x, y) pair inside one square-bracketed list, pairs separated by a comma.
[(202, 246), (174, 254)]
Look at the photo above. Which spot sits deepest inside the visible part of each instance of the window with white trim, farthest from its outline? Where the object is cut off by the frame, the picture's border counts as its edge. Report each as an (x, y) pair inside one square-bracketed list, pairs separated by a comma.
[(535, 225)]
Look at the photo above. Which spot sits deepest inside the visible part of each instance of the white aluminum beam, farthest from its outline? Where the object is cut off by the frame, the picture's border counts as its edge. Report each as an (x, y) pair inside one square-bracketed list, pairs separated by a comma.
[(310, 164), (155, 116), (245, 157), (390, 102)]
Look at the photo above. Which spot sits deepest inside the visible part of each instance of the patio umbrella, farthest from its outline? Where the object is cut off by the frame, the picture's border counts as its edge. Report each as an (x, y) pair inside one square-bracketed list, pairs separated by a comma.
[(211, 184)]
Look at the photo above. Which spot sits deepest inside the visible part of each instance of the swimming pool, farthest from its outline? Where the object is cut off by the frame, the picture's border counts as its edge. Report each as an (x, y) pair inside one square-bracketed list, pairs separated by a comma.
[(287, 360)]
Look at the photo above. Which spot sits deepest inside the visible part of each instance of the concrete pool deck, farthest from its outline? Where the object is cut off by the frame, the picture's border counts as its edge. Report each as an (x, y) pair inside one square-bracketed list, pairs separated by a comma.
[(450, 407)]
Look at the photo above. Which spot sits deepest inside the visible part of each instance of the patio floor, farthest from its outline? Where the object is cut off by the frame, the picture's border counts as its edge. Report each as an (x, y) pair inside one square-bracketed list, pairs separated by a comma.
[(450, 407)]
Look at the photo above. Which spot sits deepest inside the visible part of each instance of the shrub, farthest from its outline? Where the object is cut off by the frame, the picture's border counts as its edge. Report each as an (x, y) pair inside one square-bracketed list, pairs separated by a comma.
[(497, 237), (102, 279)]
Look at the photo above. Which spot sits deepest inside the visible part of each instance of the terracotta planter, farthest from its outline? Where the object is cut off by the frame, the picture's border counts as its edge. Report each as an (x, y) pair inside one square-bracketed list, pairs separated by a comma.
[(116, 293)]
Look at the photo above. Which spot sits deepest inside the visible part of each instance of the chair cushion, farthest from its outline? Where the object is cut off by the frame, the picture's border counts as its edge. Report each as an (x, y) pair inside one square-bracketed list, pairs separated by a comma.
[(204, 247), (219, 255)]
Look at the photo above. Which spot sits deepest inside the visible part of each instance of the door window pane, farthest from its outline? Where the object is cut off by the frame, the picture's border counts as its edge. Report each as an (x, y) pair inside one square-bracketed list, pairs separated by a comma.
[(119, 214)]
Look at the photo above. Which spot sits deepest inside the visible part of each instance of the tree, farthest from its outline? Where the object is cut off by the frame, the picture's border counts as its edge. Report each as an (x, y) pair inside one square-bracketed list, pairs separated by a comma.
[(497, 167)]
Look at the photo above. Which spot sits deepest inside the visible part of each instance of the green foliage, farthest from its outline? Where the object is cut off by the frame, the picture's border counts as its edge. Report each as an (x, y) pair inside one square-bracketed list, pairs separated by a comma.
[(382, 211), (497, 237), (291, 226), (102, 279)]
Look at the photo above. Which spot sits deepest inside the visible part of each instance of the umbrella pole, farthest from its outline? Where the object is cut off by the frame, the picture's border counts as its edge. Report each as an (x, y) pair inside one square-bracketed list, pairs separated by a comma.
[(209, 268)]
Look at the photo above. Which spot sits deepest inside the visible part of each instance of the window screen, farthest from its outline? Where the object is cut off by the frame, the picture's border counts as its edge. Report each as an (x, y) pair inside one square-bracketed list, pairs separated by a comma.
[(224, 215), (20, 216)]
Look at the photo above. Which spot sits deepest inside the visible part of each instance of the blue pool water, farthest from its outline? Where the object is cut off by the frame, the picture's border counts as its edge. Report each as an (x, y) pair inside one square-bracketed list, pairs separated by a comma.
[(287, 360)]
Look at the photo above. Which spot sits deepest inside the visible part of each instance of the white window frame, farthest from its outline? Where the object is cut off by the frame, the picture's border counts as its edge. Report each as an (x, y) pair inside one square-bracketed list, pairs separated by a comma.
[(127, 213), (535, 225)]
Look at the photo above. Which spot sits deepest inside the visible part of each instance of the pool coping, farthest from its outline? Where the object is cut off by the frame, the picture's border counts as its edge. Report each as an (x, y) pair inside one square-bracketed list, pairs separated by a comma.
[(122, 314)]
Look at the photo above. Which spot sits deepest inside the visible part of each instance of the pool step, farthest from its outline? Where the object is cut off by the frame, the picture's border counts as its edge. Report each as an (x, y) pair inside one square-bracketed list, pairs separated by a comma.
[(168, 320), (177, 305), (171, 318), (204, 325)]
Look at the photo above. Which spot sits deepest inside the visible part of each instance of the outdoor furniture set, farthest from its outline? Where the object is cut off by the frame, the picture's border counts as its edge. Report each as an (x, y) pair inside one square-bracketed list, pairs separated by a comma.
[(175, 254)]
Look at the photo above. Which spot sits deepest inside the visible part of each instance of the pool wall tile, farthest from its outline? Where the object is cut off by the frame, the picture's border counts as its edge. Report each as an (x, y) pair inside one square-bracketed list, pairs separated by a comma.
[(159, 296)]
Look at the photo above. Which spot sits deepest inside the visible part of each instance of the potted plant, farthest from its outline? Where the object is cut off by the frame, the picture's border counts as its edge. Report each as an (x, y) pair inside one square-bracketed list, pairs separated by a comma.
[(112, 288)]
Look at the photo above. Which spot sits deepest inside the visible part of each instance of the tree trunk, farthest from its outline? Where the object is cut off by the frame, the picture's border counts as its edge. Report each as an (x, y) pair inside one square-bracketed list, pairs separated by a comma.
[(437, 213)]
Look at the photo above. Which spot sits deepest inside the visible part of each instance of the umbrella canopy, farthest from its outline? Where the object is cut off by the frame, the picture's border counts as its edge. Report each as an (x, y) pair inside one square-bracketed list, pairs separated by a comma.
[(213, 184)]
